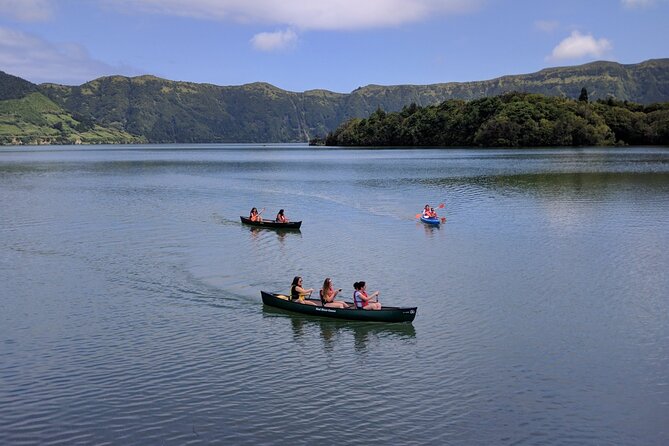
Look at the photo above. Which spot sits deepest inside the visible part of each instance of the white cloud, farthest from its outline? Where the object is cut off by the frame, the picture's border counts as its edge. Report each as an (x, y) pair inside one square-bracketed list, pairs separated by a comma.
[(26, 10), (37, 60), (637, 3), (274, 41), (546, 25), (578, 45), (312, 14)]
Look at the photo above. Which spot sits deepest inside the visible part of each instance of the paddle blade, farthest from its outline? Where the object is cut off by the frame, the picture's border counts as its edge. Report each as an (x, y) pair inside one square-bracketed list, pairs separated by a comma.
[(443, 219), (441, 205), (417, 215)]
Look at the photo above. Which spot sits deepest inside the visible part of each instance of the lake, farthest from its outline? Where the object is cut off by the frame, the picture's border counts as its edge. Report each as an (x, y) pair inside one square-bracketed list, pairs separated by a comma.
[(130, 309)]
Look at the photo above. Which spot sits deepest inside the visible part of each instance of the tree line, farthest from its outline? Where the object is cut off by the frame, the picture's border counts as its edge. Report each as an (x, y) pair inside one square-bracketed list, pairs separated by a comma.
[(510, 120)]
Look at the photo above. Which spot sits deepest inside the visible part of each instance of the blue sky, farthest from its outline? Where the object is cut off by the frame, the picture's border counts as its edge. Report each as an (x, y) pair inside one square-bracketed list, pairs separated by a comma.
[(337, 45)]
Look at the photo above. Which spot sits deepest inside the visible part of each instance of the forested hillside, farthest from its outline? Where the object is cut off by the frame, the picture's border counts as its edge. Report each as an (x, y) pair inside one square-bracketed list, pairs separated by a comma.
[(12, 87), (29, 117), (510, 120), (167, 111), (159, 110)]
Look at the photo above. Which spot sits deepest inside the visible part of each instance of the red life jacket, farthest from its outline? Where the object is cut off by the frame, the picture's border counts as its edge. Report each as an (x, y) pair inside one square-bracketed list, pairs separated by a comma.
[(359, 303)]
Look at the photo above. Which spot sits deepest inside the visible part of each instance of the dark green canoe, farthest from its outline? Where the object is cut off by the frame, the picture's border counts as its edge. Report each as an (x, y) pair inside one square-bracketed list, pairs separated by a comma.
[(294, 225), (386, 314)]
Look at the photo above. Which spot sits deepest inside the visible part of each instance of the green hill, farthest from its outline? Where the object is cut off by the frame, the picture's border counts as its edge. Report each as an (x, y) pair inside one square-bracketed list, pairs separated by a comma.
[(643, 83), (510, 120), (168, 111), (12, 87), (161, 110), (35, 119)]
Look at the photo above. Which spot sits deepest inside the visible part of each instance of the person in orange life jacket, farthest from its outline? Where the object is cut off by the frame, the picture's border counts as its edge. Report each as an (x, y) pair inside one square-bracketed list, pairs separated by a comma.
[(280, 217), (328, 294), (362, 300), (255, 215), (297, 293), (433, 213), (426, 211)]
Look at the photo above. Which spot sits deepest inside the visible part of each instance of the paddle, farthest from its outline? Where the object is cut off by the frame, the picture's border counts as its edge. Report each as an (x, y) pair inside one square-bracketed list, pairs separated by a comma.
[(306, 301), (303, 296)]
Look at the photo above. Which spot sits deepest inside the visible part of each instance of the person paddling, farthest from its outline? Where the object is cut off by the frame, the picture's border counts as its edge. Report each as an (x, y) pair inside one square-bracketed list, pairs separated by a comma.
[(429, 212), (255, 215), (362, 300), (297, 293)]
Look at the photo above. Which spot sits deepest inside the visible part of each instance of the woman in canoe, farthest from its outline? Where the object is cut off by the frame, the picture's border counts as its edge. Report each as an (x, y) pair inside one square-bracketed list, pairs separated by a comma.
[(297, 293), (362, 300), (280, 217), (254, 215), (328, 294)]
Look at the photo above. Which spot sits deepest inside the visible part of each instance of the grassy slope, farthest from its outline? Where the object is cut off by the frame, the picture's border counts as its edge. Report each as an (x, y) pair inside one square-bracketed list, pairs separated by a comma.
[(35, 119)]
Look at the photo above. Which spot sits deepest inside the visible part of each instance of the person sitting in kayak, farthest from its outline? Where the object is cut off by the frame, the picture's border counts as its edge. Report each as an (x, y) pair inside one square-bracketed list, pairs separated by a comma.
[(328, 294), (429, 212), (255, 215), (364, 301), (280, 217), (297, 293)]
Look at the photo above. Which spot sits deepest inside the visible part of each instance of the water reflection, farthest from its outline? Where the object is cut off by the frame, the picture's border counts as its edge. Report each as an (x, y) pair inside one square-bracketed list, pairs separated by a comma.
[(257, 232), (430, 230), (333, 331), (281, 234), (584, 185), (363, 333), (562, 184)]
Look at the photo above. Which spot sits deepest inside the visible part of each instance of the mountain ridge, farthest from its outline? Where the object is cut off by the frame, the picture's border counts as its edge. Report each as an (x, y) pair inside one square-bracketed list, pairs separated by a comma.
[(166, 111)]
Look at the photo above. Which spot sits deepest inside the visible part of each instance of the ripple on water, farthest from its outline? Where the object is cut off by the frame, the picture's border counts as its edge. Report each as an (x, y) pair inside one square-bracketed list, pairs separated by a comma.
[(131, 310)]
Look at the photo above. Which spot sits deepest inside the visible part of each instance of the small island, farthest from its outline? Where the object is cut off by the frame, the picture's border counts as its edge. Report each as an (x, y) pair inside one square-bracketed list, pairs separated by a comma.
[(509, 120)]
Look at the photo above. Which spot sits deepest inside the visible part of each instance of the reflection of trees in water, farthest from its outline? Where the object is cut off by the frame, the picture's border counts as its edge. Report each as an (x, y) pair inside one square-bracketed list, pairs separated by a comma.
[(562, 184), (581, 184), (333, 331)]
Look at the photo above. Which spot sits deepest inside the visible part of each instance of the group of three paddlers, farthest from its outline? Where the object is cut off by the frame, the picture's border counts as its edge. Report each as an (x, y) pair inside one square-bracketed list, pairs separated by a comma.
[(328, 293)]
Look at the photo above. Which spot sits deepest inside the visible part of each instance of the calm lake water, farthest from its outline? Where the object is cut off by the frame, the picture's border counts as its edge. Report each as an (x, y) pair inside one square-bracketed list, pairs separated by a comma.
[(130, 308)]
